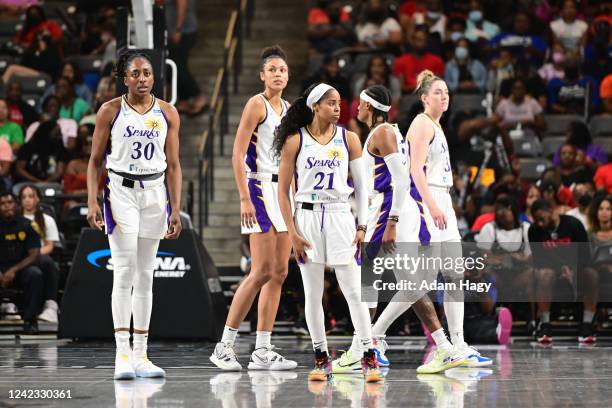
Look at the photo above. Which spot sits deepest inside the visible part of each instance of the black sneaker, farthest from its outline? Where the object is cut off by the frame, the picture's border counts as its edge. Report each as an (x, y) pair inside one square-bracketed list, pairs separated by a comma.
[(587, 333), (30, 327), (544, 333)]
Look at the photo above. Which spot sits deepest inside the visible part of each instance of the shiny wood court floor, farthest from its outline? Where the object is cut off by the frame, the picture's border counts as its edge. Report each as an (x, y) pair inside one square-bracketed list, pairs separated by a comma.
[(524, 375)]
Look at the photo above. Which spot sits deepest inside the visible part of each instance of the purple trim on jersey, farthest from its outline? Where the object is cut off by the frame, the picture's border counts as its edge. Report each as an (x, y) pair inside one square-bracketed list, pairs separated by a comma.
[(424, 235), (265, 106), (382, 175), (251, 155), (381, 223), (344, 138), (106, 205), (412, 185), (168, 207), (300, 145), (165, 117), (115, 118), (358, 256), (256, 193)]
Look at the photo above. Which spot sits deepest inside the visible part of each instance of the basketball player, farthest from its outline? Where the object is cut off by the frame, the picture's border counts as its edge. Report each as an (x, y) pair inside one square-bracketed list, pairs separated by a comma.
[(394, 217), (256, 174), (138, 137), (320, 153), (430, 170)]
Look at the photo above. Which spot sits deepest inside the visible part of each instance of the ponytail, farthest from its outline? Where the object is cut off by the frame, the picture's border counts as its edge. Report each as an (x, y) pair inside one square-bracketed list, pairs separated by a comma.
[(298, 115)]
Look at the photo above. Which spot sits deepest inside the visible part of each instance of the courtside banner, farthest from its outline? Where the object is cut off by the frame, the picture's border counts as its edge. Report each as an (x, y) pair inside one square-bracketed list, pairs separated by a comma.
[(485, 272), (187, 298)]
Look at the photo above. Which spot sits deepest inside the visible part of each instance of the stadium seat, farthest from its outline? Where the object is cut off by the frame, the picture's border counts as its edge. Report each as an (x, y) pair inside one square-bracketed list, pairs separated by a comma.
[(532, 168), (601, 126), (551, 145), (5, 61), (605, 143), (556, 125), (34, 84), (468, 103), (9, 28), (361, 61), (87, 63), (32, 99), (527, 146), (314, 63), (75, 221), (407, 101)]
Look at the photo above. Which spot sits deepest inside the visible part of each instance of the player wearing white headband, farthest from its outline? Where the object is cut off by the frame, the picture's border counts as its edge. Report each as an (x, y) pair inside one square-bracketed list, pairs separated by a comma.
[(319, 154)]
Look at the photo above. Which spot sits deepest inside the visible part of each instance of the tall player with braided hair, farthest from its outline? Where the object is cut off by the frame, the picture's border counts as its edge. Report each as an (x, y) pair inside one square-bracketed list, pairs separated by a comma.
[(137, 135), (256, 174), (318, 153)]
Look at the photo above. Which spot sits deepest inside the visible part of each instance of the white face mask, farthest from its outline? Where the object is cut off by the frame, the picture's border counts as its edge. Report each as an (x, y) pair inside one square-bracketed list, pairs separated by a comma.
[(434, 15), (461, 53)]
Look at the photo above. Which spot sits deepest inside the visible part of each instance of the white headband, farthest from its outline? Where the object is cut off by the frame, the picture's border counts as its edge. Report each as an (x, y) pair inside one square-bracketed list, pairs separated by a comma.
[(315, 95), (364, 96)]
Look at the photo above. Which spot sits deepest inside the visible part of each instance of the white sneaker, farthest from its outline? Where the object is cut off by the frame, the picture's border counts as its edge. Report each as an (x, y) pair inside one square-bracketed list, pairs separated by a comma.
[(9, 311), (224, 357), (123, 366), (49, 313), (471, 357), (143, 367), (267, 359)]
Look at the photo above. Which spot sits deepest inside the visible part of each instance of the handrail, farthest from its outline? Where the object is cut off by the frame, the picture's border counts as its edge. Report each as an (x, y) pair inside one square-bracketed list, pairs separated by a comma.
[(218, 115)]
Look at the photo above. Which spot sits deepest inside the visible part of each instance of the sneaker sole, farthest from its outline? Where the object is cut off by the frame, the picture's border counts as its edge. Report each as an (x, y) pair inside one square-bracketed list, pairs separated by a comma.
[(260, 367), (443, 368), (373, 377), (151, 375), (125, 376), (220, 364), (467, 363), (349, 371), (317, 377), (505, 320)]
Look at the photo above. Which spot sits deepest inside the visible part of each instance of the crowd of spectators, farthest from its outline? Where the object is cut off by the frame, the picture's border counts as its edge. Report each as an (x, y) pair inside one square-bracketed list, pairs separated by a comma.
[(529, 125)]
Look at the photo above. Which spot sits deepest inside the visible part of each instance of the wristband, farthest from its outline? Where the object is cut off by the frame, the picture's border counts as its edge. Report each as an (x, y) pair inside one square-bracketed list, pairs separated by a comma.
[(393, 218), (363, 228)]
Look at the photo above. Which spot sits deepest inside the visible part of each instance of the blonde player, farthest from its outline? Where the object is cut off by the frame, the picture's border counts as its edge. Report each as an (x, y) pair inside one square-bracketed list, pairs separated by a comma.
[(319, 154), (256, 174), (138, 137), (432, 179)]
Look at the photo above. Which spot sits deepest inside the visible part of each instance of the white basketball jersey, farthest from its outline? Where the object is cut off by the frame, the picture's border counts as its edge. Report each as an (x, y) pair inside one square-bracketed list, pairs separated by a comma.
[(137, 141), (437, 164), (322, 170), (379, 177), (260, 157)]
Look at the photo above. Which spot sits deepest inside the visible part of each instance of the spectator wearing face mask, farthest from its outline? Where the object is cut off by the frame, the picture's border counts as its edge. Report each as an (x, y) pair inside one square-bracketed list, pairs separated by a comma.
[(464, 74), (377, 29), (568, 29), (569, 95), (554, 67), (477, 27), (433, 18), (583, 195)]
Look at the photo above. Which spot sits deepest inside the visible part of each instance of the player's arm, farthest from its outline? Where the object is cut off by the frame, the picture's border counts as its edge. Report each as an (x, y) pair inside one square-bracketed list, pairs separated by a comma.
[(254, 112), (359, 182), (384, 142), (104, 119), (174, 174)]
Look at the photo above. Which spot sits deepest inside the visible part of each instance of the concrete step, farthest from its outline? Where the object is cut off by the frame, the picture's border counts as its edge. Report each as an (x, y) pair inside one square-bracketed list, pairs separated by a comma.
[(218, 207), (219, 220), (222, 245), (222, 232)]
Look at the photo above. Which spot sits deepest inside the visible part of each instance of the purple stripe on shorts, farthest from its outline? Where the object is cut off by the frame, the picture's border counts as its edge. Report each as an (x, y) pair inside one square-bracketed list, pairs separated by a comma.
[(424, 235), (261, 214), (108, 215), (358, 256), (168, 207), (382, 219), (382, 176), (251, 155)]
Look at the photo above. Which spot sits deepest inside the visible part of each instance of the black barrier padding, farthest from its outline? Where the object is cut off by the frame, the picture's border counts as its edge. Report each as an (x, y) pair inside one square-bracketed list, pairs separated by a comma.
[(188, 302)]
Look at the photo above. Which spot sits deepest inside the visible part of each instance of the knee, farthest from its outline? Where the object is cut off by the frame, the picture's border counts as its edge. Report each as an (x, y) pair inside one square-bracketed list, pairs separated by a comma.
[(262, 274), (280, 274), (590, 276), (545, 277), (33, 275)]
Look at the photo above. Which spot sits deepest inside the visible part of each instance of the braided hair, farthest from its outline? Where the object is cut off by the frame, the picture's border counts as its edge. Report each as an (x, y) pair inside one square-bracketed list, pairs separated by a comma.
[(380, 94), (125, 59)]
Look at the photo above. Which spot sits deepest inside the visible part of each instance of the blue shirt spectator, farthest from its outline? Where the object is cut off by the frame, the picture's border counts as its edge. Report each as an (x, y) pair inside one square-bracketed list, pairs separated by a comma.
[(521, 42), (464, 74)]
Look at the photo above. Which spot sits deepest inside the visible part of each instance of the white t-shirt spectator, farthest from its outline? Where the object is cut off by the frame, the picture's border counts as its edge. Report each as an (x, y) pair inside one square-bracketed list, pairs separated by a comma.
[(575, 212), (569, 34), (513, 113), (52, 233), (508, 240), (438, 27), (68, 128), (369, 32)]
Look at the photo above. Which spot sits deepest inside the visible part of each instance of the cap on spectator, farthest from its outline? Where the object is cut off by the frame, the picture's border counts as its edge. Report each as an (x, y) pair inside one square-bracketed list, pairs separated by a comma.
[(6, 153), (549, 185)]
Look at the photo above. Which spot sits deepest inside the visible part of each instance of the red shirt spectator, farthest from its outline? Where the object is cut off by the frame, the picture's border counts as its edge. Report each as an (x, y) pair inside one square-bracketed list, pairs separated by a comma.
[(603, 178), (409, 65), (319, 16), (605, 93), (36, 22), (482, 220)]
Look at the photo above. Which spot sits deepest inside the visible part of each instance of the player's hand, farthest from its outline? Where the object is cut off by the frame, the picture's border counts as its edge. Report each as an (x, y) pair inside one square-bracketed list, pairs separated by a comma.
[(7, 278), (175, 227), (359, 238), (94, 216), (439, 218), (389, 237), (247, 213), (299, 248)]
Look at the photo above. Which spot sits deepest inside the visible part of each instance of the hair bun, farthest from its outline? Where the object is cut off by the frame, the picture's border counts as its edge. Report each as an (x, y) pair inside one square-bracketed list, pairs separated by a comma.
[(424, 76), (272, 51)]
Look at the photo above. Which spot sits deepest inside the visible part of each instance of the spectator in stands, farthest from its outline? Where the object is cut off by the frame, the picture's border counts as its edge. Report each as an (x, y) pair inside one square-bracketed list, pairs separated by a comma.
[(41, 57), (603, 178), (554, 67), (605, 93), (72, 71), (570, 94), (75, 177), (519, 108), (71, 106), (378, 30), (329, 27), (597, 61), (16, 7), (521, 42), (583, 195), (6, 161), (571, 170), (331, 74), (433, 18), (549, 237), (500, 70), (43, 159), (45, 226), (20, 112), (19, 252), (535, 86), (107, 90), (182, 26), (533, 194), (35, 23), (408, 65), (579, 136), (569, 30), (463, 73), (9, 131), (477, 27), (599, 219), (68, 127), (556, 194)]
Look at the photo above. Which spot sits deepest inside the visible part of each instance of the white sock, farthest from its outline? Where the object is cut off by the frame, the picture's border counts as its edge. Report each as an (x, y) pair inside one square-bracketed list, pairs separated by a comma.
[(454, 318), (140, 344), (587, 316), (321, 346), (356, 346), (229, 335), (263, 339), (440, 339), (122, 339)]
